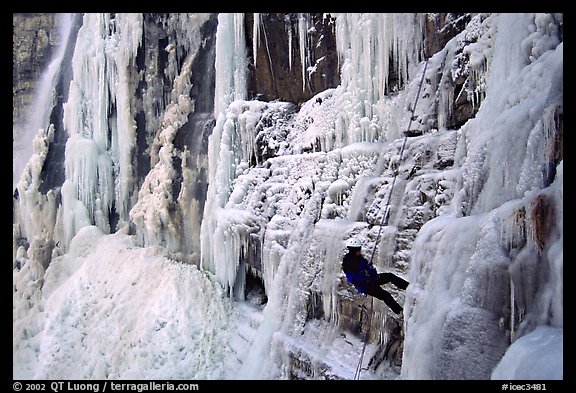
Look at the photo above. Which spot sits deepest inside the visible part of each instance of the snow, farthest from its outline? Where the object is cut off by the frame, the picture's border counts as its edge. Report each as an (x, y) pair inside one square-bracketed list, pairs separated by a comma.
[(91, 325), (466, 213)]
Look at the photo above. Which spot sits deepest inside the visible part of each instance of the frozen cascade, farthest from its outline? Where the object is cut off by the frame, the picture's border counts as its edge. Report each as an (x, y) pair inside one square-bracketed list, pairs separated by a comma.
[(223, 222), (329, 236), (367, 43), (303, 303), (316, 176), (230, 146), (104, 49), (36, 217), (36, 213), (362, 191), (526, 99), (161, 216)]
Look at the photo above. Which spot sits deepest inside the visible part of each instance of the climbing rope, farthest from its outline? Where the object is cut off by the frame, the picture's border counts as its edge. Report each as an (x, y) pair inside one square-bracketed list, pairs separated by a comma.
[(359, 366), (384, 219)]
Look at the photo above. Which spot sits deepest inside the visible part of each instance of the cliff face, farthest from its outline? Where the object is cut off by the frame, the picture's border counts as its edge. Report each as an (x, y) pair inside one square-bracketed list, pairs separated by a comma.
[(295, 58)]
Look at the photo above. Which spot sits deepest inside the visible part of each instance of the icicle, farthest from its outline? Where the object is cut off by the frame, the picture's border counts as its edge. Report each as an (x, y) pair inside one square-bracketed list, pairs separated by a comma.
[(512, 310), (303, 41), (268, 53), (367, 43), (289, 27), (255, 35), (231, 63), (75, 215), (34, 209), (81, 168), (223, 144)]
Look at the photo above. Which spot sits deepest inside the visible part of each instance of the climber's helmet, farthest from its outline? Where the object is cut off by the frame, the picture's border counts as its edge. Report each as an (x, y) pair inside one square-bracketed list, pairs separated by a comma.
[(354, 244)]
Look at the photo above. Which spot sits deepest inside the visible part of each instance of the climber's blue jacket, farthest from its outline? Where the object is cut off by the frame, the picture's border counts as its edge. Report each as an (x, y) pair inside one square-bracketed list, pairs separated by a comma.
[(359, 272)]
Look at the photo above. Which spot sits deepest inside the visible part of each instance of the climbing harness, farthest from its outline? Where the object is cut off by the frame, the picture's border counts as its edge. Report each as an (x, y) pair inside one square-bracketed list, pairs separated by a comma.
[(384, 220)]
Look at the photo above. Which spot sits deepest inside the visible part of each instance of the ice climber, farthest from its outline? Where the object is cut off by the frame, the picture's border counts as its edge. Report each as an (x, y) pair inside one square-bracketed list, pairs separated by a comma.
[(363, 275)]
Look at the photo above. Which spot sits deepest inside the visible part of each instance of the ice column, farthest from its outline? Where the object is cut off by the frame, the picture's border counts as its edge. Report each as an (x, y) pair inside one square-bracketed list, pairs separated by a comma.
[(231, 63), (99, 120), (219, 232)]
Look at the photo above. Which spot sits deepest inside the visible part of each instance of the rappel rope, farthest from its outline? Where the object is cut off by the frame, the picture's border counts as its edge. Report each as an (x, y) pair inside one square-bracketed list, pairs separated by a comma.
[(384, 219)]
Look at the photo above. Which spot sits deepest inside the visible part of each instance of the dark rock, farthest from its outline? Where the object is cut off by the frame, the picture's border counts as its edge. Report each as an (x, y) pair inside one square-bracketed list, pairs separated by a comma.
[(34, 37), (441, 28), (271, 74)]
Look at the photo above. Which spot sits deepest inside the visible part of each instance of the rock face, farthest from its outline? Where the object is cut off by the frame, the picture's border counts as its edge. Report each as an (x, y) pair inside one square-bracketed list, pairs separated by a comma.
[(440, 28), (33, 39), (276, 68)]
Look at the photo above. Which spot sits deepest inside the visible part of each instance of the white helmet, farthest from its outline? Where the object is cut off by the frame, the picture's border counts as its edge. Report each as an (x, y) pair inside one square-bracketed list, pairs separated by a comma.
[(353, 242)]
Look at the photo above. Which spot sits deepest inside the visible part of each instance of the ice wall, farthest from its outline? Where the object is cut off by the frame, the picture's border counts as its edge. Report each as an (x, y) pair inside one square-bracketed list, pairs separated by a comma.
[(279, 179), (125, 106), (471, 267), (231, 63), (99, 119), (114, 99), (332, 120), (338, 161)]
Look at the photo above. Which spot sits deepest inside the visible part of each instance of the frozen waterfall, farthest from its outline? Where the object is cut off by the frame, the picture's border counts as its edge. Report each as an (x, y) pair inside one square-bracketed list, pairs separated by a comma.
[(198, 233)]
